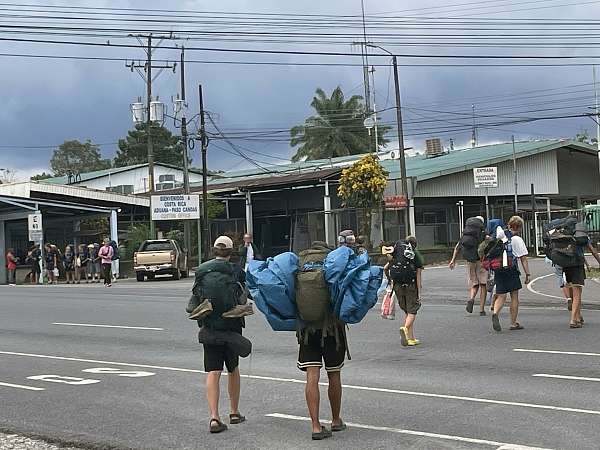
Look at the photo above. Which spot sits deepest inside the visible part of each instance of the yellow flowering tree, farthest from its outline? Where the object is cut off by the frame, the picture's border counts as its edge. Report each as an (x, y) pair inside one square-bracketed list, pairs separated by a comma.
[(362, 186)]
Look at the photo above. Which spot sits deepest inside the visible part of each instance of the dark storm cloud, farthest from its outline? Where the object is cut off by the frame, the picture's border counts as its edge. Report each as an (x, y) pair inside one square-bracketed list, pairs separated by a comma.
[(45, 101)]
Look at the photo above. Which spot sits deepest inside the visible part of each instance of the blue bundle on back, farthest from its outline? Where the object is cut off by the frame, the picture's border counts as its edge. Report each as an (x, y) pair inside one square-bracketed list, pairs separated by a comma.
[(272, 286), (353, 283)]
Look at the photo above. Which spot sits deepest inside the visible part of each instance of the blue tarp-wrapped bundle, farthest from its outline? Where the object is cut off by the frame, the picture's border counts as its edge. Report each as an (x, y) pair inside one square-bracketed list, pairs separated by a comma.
[(353, 283), (272, 286)]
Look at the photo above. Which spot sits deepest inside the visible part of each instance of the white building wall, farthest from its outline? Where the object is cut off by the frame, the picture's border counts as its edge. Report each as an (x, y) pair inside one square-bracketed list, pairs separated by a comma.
[(138, 178), (540, 169)]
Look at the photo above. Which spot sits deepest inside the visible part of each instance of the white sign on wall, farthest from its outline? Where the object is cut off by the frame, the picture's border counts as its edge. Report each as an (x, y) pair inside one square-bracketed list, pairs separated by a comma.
[(34, 224), (485, 177), (175, 207)]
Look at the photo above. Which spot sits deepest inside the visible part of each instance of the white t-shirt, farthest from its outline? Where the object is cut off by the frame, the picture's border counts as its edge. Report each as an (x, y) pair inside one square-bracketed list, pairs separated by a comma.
[(519, 249), (249, 253)]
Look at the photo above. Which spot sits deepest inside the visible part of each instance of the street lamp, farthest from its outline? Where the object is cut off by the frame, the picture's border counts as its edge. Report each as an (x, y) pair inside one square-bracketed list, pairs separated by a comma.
[(404, 183)]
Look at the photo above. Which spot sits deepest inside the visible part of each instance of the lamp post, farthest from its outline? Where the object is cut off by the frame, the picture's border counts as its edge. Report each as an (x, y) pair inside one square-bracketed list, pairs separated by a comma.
[(404, 183)]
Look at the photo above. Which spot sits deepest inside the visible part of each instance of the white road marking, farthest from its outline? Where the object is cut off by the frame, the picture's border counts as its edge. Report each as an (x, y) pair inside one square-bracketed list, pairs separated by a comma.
[(346, 386), (446, 437), (107, 326), (20, 386), (554, 352), (565, 377), (531, 289), (76, 381), (119, 372)]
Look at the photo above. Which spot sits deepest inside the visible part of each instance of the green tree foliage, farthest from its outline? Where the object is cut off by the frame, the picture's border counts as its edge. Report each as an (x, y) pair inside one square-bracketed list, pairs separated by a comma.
[(77, 157), (336, 129), (136, 235), (41, 176), (584, 137), (134, 148)]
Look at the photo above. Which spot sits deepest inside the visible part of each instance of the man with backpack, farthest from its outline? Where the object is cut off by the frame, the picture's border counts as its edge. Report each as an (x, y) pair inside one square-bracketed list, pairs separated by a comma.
[(218, 281), (473, 236), (503, 258), (115, 260), (321, 337), (404, 271)]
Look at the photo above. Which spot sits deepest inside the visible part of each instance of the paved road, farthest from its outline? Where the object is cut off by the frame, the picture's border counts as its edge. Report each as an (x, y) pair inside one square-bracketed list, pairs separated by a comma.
[(466, 387)]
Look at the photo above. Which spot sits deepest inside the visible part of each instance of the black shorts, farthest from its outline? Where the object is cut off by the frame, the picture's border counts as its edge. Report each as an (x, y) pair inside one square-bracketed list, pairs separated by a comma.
[(313, 354), (215, 356), (508, 280), (575, 276)]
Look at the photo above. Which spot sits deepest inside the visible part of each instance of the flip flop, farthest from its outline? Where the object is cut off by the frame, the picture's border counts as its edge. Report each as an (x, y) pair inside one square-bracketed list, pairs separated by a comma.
[(235, 419), (516, 326), (341, 427), (575, 325), (219, 428), (323, 434)]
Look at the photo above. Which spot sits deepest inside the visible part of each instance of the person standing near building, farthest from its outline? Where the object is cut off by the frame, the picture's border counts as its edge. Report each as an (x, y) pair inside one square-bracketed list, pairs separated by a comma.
[(69, 264), (248, 251), (105, 254), (477, 275), (11, 266), (115, 260), (508, 278), (33, 258), (81, 264), (51, 258)]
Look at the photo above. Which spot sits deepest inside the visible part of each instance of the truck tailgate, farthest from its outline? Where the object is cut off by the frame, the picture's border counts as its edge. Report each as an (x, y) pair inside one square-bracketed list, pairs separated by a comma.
[(153, 258)]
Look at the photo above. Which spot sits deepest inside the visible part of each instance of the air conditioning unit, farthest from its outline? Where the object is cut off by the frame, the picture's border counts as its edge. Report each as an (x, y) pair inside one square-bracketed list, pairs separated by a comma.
[(165, 186), (166, 178), (121, 189), (433, 148)]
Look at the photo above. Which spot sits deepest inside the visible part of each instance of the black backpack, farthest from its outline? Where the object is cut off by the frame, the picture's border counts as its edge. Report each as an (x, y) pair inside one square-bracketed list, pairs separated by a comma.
[(115, 248), (403, 269), (473, 234), (560, 244)]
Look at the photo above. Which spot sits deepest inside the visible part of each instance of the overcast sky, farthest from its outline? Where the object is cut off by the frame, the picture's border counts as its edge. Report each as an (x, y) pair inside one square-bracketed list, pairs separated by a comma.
[(45, 101)]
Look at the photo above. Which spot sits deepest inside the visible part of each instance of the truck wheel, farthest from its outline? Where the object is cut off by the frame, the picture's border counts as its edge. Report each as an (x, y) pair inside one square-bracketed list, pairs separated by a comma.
[(176, 274), (139, 276)]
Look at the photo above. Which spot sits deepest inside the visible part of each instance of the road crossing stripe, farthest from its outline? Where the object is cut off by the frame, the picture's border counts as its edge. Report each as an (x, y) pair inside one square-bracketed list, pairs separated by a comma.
[(565, 377), (107, 326), (447, 437), (345, 386), (554, 352), (20, 386)]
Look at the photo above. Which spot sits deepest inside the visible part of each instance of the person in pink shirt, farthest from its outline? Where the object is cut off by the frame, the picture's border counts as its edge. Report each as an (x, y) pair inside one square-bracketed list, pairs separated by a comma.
[(106, 254)]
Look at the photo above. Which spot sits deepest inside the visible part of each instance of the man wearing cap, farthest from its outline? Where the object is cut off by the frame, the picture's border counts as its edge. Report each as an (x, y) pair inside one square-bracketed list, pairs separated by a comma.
[(216, 281)]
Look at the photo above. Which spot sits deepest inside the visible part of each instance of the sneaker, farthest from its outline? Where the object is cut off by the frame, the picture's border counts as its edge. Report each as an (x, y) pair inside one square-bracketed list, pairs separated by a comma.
[(496, 322), (470, 305), (413, 342), (482, 313), (404, 336), (238, 311), (109, 285), (203, 310)]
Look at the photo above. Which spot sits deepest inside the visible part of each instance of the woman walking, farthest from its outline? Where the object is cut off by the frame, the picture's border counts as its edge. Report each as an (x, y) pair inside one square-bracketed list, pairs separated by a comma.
[(508, 277), (105, 254)]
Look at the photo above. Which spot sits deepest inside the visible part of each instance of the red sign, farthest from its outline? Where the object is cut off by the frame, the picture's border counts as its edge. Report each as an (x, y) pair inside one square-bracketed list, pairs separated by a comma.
[(396, 202)]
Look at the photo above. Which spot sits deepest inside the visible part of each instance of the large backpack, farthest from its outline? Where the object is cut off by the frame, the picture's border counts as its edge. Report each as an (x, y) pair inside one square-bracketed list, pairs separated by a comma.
[(312, 291), (498, 255), (403, 268), (215, 280), (115, 248), (560, 244), (472, 235)]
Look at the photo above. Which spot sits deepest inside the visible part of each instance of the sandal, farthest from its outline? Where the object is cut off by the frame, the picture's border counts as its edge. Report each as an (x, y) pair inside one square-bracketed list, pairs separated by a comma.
[(235, 419), (218, 428), (516, 326), (575, 325), (323, 434), (341, 427)]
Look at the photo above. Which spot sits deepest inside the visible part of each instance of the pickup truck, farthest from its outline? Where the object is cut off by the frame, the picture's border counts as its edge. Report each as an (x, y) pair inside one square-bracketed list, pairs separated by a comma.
[(160, 257)]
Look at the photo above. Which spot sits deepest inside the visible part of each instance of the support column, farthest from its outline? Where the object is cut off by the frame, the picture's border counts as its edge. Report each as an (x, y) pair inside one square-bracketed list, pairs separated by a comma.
[(249, 216), (114, 235), (411, 217), (2, 252), (329, 231)]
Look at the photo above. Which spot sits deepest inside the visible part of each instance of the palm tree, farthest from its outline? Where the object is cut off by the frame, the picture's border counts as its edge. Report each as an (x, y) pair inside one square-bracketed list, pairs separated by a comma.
[(336, 130)]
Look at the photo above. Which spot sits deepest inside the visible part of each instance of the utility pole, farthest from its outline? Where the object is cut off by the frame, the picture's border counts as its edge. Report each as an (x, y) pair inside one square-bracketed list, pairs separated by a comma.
[(187, 232), (401, 145), (147, 66), (375, 111), (515, 175), (204, 142), (365, 58), (597, 117), (474, 130)]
